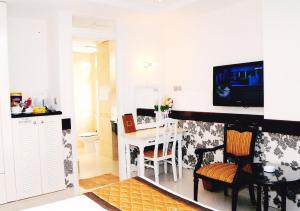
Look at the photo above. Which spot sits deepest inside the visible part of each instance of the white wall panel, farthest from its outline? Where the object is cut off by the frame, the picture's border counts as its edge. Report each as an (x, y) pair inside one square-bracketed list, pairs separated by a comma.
[(5, 109), (281, 55)]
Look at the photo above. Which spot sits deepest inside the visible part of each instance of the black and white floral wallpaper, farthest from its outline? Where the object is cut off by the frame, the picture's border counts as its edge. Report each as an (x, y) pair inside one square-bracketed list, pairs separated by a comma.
[(134, 151), (201, 134), (270, 147), (68, 162), (284, 149), (145, 119)]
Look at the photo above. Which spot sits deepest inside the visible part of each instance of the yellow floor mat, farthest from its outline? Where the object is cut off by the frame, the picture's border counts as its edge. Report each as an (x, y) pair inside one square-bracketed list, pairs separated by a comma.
[(137, 195), (98, 181)]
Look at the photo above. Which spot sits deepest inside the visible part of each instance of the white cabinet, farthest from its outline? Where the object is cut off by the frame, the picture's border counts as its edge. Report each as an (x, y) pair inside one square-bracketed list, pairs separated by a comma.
[(51, 154), (27, 157), (38, 155)]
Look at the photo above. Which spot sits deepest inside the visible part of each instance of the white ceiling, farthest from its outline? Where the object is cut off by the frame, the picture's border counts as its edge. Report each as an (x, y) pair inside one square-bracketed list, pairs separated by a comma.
[(100, 5), (146, 5), (109, 9)]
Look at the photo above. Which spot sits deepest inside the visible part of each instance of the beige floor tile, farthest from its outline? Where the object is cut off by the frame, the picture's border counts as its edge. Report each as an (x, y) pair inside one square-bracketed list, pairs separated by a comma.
[(37, 201), (184, 187)]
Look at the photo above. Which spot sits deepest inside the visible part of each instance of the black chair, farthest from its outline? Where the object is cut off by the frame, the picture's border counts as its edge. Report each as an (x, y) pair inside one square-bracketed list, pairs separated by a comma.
[(238, 148)]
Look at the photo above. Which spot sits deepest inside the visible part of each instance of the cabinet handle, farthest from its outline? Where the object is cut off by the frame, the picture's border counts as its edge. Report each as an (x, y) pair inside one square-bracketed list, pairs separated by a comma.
[(25, 121), (42, 122), (34, 122)]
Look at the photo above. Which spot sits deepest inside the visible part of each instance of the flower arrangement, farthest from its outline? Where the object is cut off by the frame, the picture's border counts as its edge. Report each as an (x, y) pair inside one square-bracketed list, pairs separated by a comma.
[(166, 105)]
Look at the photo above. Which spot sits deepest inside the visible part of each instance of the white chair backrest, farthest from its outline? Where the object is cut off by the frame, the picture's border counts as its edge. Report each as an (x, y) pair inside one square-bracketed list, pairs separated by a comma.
[(166, 136)]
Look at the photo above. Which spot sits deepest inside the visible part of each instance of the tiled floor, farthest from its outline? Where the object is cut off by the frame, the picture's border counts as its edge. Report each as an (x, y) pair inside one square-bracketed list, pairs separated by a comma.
[(184, 187), (91, 165), (216, 200)]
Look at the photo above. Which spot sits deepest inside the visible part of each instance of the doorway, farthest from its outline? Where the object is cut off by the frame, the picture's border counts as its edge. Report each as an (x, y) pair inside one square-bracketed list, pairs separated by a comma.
[(95, 111)]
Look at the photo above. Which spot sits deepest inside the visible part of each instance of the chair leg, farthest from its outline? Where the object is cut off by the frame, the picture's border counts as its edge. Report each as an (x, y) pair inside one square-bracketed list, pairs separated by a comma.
[(235, 193), (156, 171), (225, 191), (166, 166), (252, 194), (174, 169), (196, 183)]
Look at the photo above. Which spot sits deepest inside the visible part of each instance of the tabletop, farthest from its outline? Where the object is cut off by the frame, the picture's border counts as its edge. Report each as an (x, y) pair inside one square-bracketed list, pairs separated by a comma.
[(282, 174), (147, 133)]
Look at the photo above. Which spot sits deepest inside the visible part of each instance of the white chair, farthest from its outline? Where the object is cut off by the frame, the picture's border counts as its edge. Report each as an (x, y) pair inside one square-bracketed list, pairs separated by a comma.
[(164, 148)]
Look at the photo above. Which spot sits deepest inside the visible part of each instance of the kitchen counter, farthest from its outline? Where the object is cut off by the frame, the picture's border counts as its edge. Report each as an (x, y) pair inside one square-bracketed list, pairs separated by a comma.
[(22, 115)]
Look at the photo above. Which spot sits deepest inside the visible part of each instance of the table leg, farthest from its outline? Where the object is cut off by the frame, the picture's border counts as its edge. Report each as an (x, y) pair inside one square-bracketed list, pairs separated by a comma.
[(141, 162), (258, 205), (128, 160), (180, 157), (266, 198), (283, 198)]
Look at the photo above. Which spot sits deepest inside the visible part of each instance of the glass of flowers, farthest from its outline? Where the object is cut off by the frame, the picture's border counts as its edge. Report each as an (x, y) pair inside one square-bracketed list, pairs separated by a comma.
[(163, 110)]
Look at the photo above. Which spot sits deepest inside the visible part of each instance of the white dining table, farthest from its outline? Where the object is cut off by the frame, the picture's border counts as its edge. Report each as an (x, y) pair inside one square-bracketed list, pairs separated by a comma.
[(144, 138)]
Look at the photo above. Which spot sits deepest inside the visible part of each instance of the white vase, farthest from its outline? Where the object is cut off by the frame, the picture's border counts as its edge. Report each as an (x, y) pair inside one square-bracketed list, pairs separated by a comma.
[(160, 115)]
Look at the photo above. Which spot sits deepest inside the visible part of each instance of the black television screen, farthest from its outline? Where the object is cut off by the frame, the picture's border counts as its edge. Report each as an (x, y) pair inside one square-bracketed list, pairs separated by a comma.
[(239, 85)]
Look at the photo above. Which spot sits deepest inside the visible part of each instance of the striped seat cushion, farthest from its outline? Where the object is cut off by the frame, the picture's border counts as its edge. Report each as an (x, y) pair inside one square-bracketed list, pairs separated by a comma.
[(238, 143), (150, 153), (224, 172)]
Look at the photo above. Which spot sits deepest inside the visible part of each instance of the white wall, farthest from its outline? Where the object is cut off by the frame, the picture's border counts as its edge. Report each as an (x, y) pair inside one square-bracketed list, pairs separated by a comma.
[(64, 30), (53, 62), (281, 56), (184, 45), (198, 39), (28, 55), (40, 58), (33, 57), (139, 40)]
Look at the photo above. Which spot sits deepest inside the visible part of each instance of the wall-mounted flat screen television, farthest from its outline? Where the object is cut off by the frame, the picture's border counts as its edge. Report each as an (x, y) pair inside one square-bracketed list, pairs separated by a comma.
[(239, 85)]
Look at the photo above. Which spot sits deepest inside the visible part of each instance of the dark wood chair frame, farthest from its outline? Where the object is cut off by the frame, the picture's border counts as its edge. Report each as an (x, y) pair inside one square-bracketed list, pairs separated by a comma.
[(239, 180)]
